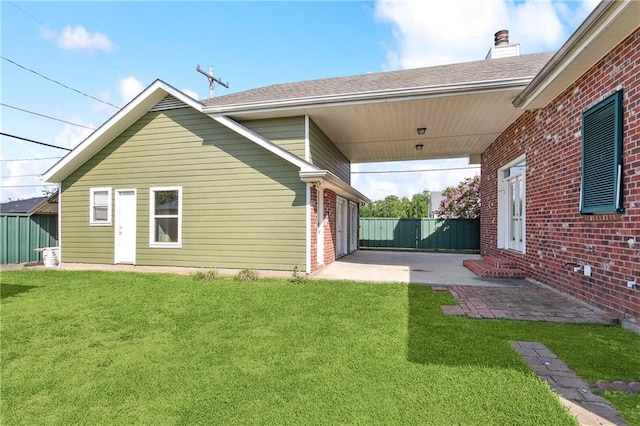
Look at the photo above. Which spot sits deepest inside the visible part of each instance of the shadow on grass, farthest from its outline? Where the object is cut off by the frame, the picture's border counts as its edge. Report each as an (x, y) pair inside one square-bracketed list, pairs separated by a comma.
[(453, 341), (8, 290)]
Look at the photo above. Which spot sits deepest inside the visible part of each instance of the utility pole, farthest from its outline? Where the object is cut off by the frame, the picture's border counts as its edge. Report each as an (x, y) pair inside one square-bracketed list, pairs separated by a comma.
[(211, 79)]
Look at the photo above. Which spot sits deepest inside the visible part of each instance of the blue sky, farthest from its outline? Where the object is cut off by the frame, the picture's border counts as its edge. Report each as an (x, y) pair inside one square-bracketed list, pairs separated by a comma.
[(112, 50)]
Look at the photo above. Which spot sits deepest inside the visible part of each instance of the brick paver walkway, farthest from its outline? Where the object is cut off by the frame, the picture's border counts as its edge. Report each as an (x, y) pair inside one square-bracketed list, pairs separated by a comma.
[(565, 382), (527, 302)]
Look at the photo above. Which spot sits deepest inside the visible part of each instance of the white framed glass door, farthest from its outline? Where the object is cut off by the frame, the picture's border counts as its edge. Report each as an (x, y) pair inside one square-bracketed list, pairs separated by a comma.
[(516, 205)]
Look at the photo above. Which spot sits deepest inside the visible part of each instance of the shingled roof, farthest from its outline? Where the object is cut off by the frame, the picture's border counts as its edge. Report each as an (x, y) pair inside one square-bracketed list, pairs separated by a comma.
[(525, 66)]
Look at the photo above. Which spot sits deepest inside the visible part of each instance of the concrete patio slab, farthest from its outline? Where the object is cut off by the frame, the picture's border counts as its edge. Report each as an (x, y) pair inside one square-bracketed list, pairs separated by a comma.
[(408, 267)]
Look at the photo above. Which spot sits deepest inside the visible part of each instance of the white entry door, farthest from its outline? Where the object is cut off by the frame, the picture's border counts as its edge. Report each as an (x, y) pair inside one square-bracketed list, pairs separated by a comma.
[(353, 226), (125, 232), (341, 226)]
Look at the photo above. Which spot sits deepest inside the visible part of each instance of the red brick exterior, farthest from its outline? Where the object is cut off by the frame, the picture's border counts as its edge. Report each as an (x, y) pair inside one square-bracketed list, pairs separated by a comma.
[(557, 235), (329, 228)]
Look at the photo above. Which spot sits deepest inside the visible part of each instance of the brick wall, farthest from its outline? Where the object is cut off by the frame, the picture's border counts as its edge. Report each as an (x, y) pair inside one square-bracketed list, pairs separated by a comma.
[(557, 235), (313, 217), (329, 228)]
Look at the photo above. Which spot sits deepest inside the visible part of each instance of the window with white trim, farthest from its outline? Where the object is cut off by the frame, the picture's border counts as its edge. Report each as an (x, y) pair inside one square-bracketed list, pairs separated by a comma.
[(512, 206), (165, 217), (100, 206)]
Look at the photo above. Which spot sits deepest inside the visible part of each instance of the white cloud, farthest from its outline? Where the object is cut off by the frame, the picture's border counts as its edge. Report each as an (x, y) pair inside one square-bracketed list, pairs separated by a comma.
[(78, 38), (190, 93), (70, 136), (427, 33), (22, 179), (431, 33), (17, 182), (101, 107), (129, 88)]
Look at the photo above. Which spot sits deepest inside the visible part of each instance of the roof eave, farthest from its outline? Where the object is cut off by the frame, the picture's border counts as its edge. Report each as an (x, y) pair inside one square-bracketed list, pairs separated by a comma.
[(115, 125), (324, 178), (373, 96), (597, 22)]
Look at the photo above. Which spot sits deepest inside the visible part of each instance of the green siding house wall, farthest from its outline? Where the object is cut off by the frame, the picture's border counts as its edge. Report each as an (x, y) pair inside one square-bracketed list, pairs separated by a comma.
[(287, 133), (242, 206), (326, 155)]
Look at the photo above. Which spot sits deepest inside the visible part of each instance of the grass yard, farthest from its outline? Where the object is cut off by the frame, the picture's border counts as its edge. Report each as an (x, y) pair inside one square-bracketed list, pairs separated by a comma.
[(123, 348)]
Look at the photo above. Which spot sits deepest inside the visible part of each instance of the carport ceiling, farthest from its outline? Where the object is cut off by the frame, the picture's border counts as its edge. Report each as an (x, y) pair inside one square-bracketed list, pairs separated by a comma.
[(457, 126), (375, 117)]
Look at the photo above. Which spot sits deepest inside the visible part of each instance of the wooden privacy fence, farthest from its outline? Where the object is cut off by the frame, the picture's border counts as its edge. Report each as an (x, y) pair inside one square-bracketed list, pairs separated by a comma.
[(20, 235), (420, 234)]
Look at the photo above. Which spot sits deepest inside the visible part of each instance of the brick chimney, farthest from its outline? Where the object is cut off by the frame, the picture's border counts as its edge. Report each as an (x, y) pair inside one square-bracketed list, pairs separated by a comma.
[(501, 47)]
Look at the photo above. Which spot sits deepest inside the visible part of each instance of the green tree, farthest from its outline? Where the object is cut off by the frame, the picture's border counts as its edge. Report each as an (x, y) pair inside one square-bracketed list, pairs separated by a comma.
[(419, 206), (393, 206), (48, 191), (462, 201)]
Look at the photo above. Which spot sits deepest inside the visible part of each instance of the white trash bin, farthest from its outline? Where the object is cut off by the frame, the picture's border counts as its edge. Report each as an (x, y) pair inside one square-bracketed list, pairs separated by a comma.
[(50, 256)]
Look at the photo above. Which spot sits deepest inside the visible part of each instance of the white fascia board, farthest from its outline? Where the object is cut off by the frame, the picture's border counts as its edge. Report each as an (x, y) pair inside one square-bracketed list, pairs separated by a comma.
[(111, 128), (394, 95), (596, 23), (326, 179), (263, 142)]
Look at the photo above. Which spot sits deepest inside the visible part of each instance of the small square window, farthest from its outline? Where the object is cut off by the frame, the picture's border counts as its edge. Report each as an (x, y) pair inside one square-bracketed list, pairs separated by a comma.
[(100, 206)]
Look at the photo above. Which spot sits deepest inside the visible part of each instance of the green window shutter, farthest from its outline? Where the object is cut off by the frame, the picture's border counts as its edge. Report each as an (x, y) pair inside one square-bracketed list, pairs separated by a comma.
[(601, 190)]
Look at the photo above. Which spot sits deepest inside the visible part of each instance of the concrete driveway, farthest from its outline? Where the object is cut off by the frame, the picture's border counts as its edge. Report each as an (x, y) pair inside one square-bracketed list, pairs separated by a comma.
[(409, 267)]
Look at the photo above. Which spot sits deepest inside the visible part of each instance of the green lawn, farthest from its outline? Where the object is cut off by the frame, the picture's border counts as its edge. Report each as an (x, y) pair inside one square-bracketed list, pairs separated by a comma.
[(122, 348)]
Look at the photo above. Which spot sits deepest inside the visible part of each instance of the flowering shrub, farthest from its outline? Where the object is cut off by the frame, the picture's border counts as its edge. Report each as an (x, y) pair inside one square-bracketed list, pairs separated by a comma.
[(462, 201)]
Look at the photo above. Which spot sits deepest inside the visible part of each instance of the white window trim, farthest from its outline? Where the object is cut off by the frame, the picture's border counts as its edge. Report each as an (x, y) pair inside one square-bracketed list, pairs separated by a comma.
[(503, 214), (93, 222), (153, 243)]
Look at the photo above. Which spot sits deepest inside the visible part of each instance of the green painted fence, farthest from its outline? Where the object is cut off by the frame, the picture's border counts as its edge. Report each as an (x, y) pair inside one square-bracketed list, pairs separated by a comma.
[(21, 234), (420, 234)]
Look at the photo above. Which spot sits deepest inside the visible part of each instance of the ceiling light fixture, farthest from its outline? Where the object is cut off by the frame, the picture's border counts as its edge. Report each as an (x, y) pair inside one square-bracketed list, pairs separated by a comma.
[(419, 147), (421, 130)]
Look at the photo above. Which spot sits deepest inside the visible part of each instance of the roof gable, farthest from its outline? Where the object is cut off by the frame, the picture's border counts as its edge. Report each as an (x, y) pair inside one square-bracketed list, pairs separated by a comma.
[(157, 97), (129, 114)]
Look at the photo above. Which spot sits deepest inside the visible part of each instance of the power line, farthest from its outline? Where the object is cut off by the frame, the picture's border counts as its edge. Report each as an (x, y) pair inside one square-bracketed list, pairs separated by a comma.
[(45, 116), (32, 159), (70, 41), (32, 141), (58, 83), (28, 186), (19, 176), (420, 170)]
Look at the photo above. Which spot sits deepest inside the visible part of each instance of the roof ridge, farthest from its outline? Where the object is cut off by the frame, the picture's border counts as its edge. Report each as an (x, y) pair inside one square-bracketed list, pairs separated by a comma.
[(382, 74), (523, 66)]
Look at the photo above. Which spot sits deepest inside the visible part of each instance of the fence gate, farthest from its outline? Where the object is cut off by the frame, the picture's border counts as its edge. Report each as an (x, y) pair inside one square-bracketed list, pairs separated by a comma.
[(420, 234)]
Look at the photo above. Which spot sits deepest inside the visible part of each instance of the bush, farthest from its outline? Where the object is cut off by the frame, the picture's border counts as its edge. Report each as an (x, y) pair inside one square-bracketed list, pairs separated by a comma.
[(247, 275), (297, 277), (210, 275)]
